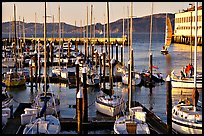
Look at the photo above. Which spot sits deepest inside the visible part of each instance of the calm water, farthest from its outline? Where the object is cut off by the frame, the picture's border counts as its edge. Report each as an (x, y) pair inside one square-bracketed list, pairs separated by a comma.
[(156, 101)]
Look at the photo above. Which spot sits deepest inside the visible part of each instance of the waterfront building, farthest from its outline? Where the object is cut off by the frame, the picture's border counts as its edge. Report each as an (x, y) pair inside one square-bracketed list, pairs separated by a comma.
[(184, 27)]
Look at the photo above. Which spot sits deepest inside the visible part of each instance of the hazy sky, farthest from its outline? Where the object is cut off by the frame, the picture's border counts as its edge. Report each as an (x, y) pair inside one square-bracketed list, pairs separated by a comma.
[(76, 11)]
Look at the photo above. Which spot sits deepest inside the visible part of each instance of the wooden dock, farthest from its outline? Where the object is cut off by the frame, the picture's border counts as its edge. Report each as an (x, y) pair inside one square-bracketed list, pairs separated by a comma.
[(157, 126)]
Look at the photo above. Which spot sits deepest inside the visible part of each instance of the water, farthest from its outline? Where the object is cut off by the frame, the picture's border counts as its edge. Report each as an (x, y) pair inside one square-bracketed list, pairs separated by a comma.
[(179, 56)]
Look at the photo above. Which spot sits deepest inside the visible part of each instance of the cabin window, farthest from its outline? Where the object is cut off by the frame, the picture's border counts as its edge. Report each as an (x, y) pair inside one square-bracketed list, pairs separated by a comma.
[(182, 116), (185, 117)]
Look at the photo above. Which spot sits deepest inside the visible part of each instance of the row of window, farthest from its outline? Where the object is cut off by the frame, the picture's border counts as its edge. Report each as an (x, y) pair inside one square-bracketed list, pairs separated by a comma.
[(187, 19), (187, 27)]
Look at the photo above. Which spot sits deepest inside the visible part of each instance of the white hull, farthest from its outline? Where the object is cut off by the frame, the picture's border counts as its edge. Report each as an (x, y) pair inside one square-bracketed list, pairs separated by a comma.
[(134, 123), (185, 120), (135, 80), (49, 126), (110, 106), (108, 110), (179, 83), (184, 129)]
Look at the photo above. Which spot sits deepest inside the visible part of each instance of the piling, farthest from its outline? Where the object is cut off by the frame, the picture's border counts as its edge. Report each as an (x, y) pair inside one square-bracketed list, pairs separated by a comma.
[(169, 104), (76, 46), (85, 105), (79, 111), (132, 60), (77, 77), (92, 52), (69, 44), (100, 67), (116, 46), (52, 53), (104, 70), (111, 76), (150, 68), (87, 51), (121, 53), (31, 74)]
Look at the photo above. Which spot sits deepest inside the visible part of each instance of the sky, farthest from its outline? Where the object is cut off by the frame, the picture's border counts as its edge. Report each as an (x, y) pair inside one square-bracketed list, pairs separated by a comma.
[(75, 12)]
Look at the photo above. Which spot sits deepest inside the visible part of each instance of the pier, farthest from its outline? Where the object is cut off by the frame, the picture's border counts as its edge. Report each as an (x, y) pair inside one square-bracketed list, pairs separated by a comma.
[(157, 126), (79, 41)]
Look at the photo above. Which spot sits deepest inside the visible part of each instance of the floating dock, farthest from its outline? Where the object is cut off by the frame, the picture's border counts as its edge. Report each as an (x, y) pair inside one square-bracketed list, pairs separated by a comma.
[(157, 126)]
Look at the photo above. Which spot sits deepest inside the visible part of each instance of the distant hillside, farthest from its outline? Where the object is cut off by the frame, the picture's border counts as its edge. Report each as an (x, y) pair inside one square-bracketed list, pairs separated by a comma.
[(141, 24)]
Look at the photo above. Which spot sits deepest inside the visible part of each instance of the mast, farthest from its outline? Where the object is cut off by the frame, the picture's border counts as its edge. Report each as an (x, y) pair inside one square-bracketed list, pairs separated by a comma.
[(23, 31), (35, 27), (87, 31), (45, 56), (53, 28), (150, 46), (123, 32), (128, 30), (59, 32), (195, 48), (108, 36), (130, 60), (104, 33), (15, 36)]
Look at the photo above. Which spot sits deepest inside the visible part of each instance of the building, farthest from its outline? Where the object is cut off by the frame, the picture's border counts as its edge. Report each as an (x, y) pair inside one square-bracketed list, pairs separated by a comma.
[(184, 31)]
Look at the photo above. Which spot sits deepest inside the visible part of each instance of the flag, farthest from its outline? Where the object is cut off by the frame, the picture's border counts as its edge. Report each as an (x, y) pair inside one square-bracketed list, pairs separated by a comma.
[(155, 67)]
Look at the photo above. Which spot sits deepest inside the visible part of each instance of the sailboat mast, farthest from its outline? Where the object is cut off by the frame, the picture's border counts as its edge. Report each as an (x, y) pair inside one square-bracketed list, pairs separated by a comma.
[(15, 36), (130, 60), (195, 48), (59, 34), (45, 56), (123, 34), (150, 46), (35, 27), (109, 59)]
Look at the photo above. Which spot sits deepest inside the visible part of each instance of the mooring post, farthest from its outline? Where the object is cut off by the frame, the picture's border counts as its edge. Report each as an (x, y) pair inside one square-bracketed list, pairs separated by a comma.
[(104, 70), (85, 105), (169, 104), (69, 44), (51, 52), (100, 67), (31, 74), (92, 52), (76, 46), (116, 46), (77, 77), (132, 60), (79, 111), (36, 66), (150, 68), (121, 47)]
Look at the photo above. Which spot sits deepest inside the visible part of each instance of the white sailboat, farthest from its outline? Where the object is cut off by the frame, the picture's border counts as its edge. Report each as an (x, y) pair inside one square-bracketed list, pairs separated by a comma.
[(7, 103), (33, 119), (110, 105), (134, 123), (187, 117), (168, 35)]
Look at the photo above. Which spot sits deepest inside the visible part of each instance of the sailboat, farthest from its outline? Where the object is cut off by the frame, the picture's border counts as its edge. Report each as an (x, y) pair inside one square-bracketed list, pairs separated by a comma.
[(149, 77), (34, 121), (168, 36), (7, 102), (187, 117), (110, 104), (13, 78)]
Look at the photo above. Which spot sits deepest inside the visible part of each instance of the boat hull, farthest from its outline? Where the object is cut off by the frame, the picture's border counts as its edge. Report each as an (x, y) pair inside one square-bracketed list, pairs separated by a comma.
[(185, 128), (109, 110), (179, 83)]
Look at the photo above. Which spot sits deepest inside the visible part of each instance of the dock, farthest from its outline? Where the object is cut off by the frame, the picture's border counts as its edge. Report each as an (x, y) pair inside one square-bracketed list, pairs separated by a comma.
[(79, 41), (157, 126)]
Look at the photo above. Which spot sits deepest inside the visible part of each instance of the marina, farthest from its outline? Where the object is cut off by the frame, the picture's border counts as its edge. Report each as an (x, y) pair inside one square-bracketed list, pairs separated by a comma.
[(108, 88)]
